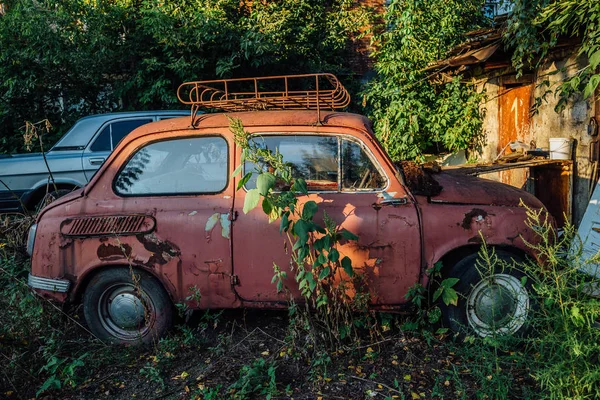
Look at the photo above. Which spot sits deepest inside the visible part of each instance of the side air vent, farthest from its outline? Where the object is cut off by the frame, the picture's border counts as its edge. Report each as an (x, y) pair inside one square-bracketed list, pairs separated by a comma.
[(107, 225)]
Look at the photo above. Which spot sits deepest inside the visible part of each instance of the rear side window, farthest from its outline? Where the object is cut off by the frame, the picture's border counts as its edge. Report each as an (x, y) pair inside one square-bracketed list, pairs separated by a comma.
[(179, 166), (113, 133), (327, 163)]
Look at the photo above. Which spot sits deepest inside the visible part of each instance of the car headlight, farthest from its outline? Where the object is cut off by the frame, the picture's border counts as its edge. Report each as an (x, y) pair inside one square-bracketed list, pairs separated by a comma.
[(31, 239)]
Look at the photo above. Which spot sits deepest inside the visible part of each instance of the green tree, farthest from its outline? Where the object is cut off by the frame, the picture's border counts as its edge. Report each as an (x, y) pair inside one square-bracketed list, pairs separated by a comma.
[(63, 60), (410, 112)]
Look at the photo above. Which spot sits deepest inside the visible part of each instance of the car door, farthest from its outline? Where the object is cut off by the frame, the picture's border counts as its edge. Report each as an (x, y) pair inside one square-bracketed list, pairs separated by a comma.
[(104, 143), (361, 194), (183, 183)]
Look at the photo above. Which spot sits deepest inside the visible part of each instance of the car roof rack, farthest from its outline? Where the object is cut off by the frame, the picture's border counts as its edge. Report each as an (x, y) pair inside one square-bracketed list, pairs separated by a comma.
[(318, 92)]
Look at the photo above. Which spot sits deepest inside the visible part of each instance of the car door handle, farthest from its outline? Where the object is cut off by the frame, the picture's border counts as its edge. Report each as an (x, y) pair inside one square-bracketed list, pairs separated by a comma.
[(97, 160), (390, 202)]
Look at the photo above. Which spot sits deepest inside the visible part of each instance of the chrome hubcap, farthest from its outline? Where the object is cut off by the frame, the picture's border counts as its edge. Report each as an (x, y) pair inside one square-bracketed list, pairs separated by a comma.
[(125, 312), (498, 305)]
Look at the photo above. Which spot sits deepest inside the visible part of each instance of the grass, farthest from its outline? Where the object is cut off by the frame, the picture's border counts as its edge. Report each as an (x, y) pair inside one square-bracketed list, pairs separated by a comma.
[(261, 354)]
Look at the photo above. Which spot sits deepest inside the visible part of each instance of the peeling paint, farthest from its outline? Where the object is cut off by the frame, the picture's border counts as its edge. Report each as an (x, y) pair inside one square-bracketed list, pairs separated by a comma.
[(223, 219), (225, 226), (193, 213), (212, 221), (162, 251), (109, 252)]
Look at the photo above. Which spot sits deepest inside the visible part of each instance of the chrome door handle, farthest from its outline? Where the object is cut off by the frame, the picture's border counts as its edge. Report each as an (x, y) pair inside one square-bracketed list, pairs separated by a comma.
[(390, 202), (97, 160)]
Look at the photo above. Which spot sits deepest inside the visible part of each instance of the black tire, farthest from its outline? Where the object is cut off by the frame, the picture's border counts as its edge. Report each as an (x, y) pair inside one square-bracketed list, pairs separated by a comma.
[(122, 310), (490, 303)]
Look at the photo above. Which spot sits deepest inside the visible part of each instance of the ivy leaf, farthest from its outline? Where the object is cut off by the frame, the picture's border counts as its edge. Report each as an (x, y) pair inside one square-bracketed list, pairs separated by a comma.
[(591, 86), (267, 206), (300, 186), (595, 59), (285, 223), (450, 282), (347, 265), (237, 171), (251, 200), (437, 293), (265, 182), (301, 229), (346, 234), (244, 180), (333, 255), (449, 296), (309, 210), (324, 273)]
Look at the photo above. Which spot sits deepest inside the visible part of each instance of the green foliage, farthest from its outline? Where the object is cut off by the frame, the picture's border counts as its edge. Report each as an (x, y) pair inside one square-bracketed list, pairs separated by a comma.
[(325, 278), (61, 370), (410, 112), (449, 295), (64, 60), (258, 379), (534, 27)]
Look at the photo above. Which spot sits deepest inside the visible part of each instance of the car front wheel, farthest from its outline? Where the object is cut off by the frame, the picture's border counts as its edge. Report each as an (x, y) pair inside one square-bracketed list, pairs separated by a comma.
[(126, 306), (493, 302)]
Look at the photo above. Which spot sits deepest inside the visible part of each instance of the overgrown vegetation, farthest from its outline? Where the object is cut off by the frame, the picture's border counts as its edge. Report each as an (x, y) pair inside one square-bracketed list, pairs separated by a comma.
[(63, 60), (534, 27), (405, 97)]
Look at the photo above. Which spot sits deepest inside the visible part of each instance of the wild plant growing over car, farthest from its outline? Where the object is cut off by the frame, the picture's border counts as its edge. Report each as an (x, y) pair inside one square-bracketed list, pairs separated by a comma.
[(326, 278), (562, 348)]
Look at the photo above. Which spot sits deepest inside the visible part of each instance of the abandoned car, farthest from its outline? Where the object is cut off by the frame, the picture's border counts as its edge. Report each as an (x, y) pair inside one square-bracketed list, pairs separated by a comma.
[(73, 160), (162, 220)]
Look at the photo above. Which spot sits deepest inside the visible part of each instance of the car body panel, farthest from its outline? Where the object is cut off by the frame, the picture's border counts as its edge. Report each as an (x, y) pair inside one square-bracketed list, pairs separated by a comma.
[(205, 242)]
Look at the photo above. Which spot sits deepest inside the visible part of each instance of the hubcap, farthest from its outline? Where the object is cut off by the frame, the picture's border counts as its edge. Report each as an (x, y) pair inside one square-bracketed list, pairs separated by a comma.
[(498, 305), (125, 312)]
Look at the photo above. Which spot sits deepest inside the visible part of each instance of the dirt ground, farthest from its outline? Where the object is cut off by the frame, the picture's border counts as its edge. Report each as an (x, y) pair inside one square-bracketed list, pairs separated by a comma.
[(206, 357)]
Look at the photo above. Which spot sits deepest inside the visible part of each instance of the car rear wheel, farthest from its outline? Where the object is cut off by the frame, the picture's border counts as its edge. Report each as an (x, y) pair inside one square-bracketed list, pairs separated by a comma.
[(127, 307), (496, 302)]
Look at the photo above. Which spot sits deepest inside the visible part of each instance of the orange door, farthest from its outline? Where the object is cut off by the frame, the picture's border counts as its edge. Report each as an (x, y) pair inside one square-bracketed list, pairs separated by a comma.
[(514, 106)]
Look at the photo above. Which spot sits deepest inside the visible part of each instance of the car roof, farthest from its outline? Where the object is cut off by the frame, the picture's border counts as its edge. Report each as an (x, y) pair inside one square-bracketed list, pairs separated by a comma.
[(258, 118), (84, 128)]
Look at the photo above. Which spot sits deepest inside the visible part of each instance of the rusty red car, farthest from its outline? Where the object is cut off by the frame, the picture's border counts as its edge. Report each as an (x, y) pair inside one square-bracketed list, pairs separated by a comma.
[(162, 220)]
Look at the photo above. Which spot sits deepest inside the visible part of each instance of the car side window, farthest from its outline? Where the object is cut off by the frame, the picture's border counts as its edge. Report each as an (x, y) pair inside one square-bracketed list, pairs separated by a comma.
[(113, 133), (317, 160), (358, 170), (173, 167)]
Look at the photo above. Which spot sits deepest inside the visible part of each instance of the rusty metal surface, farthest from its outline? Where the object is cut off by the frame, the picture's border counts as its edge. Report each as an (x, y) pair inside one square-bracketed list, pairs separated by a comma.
[(283, 92), (464, 189), (205, 242), (514, 106), (554, 188)]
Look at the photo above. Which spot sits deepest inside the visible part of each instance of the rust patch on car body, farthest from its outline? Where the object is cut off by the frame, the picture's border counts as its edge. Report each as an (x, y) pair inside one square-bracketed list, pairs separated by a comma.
[(108, 251), (162, 251), (477, 213)]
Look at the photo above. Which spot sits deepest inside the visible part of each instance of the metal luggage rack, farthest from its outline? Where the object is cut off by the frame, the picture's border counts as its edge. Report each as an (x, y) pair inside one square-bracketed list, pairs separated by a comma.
[(286, 92)]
